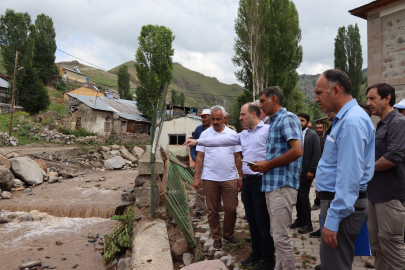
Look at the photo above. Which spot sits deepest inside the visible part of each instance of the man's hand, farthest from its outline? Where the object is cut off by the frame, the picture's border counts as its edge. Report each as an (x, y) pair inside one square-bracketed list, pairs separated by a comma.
[(310, 176), (197, 183), (240, 184), (261, 166), (330, 237), (316, 193), (190, 142)]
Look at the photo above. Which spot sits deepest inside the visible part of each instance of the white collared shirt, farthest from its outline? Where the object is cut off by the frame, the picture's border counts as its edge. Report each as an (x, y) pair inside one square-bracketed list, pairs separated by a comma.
[(303, 137), (219, 162)]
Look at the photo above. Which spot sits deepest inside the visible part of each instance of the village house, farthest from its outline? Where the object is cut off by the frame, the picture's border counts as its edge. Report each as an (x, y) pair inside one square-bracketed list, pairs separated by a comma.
[(84, 91), (72, 75), (4, 96), (111, 93), (385, 42), (102, 115), (176, 131)]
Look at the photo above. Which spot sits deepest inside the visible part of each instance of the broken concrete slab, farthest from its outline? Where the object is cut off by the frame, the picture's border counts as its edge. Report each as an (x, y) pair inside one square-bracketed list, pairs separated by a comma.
[(151, 248), (142, 196), (145, 165), (212, 265)]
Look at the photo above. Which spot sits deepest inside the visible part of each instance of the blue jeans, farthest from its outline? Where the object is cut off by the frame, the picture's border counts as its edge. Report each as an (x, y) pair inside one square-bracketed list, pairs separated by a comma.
[(258, 217)]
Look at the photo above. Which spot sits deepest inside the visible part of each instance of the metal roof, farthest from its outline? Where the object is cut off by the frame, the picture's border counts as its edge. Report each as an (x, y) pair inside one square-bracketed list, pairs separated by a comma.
[(124, 108), (73, 70), (3, 83)]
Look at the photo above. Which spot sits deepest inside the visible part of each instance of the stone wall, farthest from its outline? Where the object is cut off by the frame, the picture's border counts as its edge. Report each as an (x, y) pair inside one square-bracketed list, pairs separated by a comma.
[(91, 120), (386, 50)]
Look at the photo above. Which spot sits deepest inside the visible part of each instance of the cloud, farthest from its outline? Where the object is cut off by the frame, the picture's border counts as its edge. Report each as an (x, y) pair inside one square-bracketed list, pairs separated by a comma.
[(105, 33)]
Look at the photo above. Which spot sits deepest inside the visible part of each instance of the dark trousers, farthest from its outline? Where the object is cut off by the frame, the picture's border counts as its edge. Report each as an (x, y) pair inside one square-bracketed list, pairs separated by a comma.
[(258, 217), (341, 257), (303, 204), (317, 201)]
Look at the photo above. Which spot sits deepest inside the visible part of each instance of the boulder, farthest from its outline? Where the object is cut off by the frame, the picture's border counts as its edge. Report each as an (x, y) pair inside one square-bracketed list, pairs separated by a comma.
[(179, 248), (27, 170), (127, 155), (142, 196), (105, 148), (5, 162), (12, 155), (116, 162), (18, 183), (92, 234), (30, 264), (141, 180), (5, 195), (49, 174), (42, 164), (124, 264), (53, 179), (115, 147), (187, 258), (6, 178), (137, 152)]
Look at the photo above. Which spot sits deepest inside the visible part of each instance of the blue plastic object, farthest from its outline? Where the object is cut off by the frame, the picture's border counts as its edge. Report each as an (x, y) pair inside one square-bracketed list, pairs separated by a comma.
[(362, 244)]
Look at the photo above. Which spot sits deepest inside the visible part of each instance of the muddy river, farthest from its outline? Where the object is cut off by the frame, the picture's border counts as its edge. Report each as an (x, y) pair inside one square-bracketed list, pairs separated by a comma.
[(52, 222)]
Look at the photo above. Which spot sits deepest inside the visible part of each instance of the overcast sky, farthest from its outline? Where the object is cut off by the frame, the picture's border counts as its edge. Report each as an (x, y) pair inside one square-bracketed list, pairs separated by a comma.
[(105, 32)]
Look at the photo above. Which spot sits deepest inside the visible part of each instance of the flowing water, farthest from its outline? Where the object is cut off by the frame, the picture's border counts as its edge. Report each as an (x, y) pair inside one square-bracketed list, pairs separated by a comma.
[(62, 212)]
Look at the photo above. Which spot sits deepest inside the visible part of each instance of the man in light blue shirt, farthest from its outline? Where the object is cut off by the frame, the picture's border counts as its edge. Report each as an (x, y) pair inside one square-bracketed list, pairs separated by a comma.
[(346, 166), (253, 142)]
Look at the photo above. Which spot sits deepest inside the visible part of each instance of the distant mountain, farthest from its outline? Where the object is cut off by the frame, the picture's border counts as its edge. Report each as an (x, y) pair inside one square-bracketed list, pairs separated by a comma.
[(307, 83)]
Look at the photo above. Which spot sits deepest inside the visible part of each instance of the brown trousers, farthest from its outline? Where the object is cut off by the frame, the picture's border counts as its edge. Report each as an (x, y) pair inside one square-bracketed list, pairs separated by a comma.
[(229, 192)]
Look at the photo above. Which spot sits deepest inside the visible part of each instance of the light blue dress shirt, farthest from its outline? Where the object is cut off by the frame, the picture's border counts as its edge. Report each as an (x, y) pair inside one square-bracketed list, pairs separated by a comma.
[(253, 144), (347, 162)]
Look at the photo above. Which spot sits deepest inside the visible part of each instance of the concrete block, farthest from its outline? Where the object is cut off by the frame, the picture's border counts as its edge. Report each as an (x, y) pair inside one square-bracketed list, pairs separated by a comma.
[(151, 248), (204, 265), (142, 196), (145, 167)]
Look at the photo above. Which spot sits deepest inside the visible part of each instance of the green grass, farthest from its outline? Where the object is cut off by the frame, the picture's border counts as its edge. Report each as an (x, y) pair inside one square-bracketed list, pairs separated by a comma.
[(59, 108), (55, 93)]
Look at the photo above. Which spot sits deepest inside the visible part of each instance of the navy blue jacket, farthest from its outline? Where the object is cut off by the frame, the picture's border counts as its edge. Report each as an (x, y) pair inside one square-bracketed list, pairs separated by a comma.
[(197, 133)]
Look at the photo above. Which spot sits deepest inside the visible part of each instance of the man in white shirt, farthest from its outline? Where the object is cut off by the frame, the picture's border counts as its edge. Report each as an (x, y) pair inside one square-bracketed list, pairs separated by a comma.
[(220, 178)]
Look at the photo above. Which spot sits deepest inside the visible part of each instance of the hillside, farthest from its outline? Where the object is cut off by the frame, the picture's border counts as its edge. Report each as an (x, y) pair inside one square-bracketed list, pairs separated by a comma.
[(307, 83), (201, 91)]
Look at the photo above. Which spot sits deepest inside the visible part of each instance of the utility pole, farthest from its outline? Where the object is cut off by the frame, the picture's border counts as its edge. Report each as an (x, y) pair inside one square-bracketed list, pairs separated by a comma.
[(13, 97), (67, 84)]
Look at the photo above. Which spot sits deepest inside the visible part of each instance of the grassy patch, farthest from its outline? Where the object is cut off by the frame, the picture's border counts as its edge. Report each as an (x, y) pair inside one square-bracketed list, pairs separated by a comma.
[(78, 133), (59, 108)]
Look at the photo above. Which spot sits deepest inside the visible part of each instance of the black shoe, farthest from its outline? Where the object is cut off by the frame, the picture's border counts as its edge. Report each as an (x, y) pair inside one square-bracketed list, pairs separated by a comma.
[(232, 240), (197, 217), (318, 267), (306, 229), (315, 207), (315, 234), (252, 259), (217, 244), (265, 265), (296, 224)]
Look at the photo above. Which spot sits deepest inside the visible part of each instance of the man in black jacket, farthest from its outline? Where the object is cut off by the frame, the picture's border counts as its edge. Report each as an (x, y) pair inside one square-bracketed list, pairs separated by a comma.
[(312, 154)]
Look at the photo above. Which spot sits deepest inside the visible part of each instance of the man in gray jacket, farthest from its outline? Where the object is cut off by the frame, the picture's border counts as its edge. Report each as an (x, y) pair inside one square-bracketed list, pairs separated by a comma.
[(310, 159)]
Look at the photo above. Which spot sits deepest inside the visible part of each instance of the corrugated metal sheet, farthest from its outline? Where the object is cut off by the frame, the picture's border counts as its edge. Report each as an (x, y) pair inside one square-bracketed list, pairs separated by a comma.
[(109, 96), (3, 83), (124, 108)]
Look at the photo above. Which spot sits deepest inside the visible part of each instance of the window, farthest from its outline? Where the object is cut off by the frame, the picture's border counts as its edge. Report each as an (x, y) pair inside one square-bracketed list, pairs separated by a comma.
[(78, 122), (107, 126), (177, 139)]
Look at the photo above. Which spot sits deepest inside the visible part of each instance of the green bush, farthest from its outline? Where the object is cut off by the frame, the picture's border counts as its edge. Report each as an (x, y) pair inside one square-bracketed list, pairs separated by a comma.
[(61, 86), (78, 133)]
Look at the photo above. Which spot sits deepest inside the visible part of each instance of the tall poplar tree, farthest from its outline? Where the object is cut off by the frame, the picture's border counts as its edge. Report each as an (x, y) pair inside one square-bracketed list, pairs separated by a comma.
[(278, 51), (44, 48), (154, 65), (348, 56), (124, 83)]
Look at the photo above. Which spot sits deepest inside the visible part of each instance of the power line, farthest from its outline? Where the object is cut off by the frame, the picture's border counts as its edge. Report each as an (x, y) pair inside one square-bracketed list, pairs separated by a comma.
[(122, 39), (83, 60), (120, 44)]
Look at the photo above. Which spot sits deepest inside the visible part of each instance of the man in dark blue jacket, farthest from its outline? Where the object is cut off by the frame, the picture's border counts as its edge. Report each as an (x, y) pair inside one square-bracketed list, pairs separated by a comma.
[(200, 207)]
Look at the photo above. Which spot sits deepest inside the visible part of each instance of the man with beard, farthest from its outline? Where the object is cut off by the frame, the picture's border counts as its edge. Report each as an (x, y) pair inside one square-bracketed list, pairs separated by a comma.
[(386, 190), (200, 207), (253, 142), (310, 158)]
